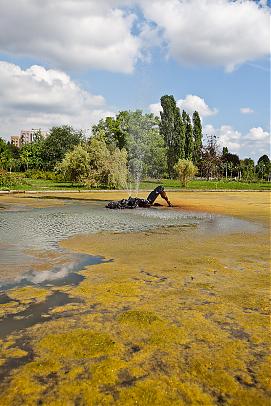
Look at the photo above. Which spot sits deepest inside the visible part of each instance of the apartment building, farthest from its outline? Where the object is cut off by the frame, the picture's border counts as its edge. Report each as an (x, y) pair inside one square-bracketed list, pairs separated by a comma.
[(15, 140), (26, 137)]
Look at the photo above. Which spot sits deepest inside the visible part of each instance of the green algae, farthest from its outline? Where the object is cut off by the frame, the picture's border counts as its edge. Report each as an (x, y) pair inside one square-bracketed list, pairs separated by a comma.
[(138, 317), (76, 344), (29, 294), (188, 329)]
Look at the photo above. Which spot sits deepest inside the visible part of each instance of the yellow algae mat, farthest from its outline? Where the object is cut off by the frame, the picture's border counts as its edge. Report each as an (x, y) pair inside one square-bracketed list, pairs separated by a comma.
[(178, 317)]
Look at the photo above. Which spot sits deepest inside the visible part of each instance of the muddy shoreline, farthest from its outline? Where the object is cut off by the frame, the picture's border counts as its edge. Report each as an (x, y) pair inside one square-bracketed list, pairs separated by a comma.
[(176, 317)]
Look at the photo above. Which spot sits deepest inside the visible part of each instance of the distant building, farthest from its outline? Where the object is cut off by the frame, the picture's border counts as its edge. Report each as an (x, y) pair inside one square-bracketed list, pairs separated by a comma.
[(15, 140), (27, 136)]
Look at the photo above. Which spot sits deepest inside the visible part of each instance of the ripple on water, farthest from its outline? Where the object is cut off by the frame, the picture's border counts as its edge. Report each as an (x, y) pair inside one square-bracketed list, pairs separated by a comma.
[(42, 229)]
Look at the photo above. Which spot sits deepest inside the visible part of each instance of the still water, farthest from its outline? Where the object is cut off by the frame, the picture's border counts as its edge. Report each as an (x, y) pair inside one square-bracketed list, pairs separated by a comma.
[(24, 228)]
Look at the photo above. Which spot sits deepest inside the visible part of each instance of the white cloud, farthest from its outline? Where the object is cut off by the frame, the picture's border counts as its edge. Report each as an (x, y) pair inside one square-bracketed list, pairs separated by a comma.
[(252, 144), (212, 32), (155, 109), (113, 34), (71, 34), (246, 110), (258, 134), (190, 103), (40, 98), (226, 135)]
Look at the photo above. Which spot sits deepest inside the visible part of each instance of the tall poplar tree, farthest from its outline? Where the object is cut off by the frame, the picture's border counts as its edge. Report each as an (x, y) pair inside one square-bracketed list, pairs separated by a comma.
[(171, 127), (189, 142), (197, 135)]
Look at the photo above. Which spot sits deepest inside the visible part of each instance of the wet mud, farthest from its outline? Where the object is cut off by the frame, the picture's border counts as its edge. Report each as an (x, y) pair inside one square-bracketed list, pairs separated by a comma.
[(178, 317)]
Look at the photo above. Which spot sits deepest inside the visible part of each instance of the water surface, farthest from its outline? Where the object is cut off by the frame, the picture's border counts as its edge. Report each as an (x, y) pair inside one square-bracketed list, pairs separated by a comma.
[(24, 229)]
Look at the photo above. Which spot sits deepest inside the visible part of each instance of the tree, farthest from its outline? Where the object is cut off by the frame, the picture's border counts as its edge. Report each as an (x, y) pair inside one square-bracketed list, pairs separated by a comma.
[(108, 167), (189, 143), (225, 151), (230, 162), (115, 130), (185, 170), (118, 172), (247, 169), (31, 155), (75, 165), (211, 158), (59, 141), (5, 154), (197, 135), (154, 154), (139, 134), (263, 167), (172, 130), (145, 145)]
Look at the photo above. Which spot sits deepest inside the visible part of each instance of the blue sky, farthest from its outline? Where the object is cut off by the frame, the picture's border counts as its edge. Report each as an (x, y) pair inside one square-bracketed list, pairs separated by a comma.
[(78, 61)]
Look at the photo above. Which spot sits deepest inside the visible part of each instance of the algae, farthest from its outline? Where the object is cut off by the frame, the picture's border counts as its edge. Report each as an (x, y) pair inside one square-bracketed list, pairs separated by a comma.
[(176, 319)]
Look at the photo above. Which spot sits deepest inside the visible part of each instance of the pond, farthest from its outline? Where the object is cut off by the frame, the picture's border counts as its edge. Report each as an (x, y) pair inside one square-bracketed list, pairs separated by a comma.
[(29, 237)]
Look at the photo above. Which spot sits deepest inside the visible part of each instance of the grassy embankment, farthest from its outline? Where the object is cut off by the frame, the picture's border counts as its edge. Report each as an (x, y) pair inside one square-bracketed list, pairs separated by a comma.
[(42, 184)]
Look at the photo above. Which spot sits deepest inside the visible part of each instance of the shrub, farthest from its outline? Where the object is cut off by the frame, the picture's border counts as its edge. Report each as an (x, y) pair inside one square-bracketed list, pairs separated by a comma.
[(185, 170), (8, 180)]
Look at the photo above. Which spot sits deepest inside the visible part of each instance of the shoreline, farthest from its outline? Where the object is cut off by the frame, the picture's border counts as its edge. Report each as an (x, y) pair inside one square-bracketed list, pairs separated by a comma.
[(176, 317)]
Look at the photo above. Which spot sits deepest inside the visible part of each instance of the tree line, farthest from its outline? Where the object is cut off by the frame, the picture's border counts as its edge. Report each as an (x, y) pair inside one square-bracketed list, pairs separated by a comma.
[(128, 147)]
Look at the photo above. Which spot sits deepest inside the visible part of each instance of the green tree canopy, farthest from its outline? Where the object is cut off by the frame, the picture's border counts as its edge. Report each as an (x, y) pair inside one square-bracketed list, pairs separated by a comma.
[(5, 154), (59, 141), (247, 169), (31, 155), (189, 142), (115, 130), (263, 167), (75, 166), (197, 136), (108, 167), (172, 130), (185, 170)]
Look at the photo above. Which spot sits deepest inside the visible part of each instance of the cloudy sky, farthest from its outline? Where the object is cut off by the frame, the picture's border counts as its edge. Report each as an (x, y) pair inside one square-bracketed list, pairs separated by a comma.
[(76, 61)]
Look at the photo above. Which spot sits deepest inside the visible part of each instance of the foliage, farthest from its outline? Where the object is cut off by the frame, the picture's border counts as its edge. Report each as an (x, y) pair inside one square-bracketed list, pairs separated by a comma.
[(138, 133), (75, 165), (263, 167), (146, 152), (186, 170), (231, 163), (31, 155), (247, 169), (40, 174), (172, 130), (197, 136), (210, 159), (60, 140), (188, 131), (5, 154), (107, 168), (8, 180), (114, 129)]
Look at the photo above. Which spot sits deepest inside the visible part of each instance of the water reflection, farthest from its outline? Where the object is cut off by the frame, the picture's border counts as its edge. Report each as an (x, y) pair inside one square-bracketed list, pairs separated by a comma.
[(42, 229)]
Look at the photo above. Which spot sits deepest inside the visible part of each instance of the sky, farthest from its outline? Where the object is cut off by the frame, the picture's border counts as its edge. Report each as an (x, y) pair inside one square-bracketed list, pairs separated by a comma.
[(77, 61)]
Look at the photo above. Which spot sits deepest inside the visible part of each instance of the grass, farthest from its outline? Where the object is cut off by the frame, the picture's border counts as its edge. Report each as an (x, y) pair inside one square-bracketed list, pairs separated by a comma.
[(208, 185), (42, 184)]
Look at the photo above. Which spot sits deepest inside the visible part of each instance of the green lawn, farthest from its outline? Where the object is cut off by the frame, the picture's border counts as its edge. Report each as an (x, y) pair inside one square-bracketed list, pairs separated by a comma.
[(208, 185), (41, 184)]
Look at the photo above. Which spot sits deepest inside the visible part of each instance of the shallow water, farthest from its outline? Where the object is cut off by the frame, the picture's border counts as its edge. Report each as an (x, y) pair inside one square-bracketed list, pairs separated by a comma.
[(25, 228)]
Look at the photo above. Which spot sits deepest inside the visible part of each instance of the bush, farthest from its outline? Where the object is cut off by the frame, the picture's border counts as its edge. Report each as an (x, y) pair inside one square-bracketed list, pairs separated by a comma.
[(185, 170), (8, 180), (38, 174)]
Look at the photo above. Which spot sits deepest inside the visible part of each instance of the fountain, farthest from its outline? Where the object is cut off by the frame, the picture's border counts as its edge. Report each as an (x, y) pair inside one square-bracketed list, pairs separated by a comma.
[(134, 202)]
